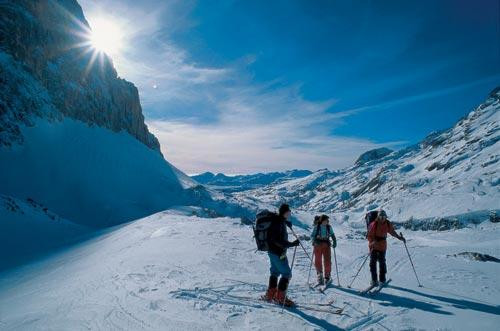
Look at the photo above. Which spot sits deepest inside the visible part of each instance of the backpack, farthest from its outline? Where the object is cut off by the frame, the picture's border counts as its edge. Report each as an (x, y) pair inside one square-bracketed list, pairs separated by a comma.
[(328, 233), (263, 222), (370, 217)]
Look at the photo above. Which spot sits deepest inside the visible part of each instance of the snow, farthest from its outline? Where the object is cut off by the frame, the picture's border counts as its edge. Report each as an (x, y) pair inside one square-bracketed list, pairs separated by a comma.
[(174, 271), (96, 177), (89, 175), (452, 172), (28, 229)]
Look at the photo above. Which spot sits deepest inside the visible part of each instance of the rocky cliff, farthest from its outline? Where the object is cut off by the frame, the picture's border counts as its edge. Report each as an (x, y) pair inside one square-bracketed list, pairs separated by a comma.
[(45, 72)]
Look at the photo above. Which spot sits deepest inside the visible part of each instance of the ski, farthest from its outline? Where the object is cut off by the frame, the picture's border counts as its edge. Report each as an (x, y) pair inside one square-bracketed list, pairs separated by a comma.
[(325, 286), (368, 289), (326, 304), (380, 287), (338, 311), (315, 287), (318, 307)]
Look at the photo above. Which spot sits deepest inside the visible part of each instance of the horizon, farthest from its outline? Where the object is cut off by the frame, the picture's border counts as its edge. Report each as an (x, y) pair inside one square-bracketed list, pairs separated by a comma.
[(307, 89)]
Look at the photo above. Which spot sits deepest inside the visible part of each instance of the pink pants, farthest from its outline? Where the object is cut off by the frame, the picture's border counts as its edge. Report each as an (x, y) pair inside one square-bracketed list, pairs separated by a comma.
[(322, 253)]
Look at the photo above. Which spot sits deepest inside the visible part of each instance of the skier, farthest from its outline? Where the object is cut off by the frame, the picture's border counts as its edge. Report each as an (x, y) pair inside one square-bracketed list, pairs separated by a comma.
[(278, 244), (321, 235), (377, 242)]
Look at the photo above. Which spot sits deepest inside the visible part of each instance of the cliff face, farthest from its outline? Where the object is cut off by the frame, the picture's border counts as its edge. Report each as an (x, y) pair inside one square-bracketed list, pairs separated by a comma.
[(45, 72)]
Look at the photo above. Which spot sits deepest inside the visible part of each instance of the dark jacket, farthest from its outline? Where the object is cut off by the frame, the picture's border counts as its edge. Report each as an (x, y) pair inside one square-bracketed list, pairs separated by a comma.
[(278, 236)]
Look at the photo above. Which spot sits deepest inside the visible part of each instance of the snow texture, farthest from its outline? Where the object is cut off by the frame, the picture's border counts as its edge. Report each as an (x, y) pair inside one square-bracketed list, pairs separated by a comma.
[(171, 271)]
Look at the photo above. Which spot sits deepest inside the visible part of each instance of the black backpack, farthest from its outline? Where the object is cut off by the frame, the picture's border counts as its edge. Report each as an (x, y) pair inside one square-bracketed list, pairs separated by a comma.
[(263, 222), (370, 217)]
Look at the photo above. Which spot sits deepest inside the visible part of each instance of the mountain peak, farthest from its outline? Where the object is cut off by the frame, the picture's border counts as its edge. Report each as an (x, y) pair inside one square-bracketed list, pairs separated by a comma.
[(374, 154)]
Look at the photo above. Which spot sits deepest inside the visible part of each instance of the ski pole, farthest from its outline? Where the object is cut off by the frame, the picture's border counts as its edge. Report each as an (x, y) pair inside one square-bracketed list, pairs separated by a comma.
[(336, 267), (349, 286), (309, 275), (291, 269), (409, 256), (300, 242)]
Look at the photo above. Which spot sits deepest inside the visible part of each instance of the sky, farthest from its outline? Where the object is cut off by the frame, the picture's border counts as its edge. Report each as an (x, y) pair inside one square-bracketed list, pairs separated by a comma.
[(256, 86)]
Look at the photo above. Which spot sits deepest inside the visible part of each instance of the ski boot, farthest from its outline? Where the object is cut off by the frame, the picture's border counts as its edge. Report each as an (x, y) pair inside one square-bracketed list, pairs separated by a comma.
[(321, 281), (270, 294), (283, 300)]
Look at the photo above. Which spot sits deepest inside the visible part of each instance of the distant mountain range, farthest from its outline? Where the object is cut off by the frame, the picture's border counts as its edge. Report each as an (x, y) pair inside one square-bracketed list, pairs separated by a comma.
[(451, 172), (247, 182)]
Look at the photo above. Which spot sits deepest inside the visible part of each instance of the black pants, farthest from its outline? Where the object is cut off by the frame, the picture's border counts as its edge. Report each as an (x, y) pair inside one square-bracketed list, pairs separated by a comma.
[(380, 257)]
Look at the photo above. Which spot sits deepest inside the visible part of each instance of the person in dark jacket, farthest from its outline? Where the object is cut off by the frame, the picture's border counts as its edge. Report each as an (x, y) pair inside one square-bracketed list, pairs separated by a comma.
[(278, 245)]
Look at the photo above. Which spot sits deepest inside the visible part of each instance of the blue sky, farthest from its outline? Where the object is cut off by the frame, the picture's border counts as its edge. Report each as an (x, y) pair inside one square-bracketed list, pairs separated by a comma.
[(249, 86)]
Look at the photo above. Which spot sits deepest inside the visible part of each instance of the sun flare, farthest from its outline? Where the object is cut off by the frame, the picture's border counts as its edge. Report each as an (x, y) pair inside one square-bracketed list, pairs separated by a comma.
[(106, 36)]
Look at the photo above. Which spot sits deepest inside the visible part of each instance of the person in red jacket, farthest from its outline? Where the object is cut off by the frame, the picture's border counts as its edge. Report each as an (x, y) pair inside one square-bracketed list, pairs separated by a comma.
[(377, 242)]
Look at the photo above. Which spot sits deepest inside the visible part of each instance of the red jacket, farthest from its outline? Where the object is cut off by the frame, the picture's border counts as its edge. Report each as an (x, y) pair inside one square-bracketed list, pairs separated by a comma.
[(377, 234)]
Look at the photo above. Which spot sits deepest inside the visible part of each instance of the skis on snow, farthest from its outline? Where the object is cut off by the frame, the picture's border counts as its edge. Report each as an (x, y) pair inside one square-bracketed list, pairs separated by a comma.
[(374, 289), (325, 286), (380, 287), (317, 307), (322, 287)]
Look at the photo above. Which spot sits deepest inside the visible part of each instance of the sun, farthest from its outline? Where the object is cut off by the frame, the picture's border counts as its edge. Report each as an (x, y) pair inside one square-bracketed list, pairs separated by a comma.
[(106, 36)]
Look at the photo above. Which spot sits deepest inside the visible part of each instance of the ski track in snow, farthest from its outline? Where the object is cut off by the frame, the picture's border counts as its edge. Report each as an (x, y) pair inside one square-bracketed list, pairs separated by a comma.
[(170, 271)]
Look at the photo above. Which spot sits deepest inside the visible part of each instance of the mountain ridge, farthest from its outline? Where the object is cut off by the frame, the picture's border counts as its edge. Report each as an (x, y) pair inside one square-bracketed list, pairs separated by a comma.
[(454, 170)]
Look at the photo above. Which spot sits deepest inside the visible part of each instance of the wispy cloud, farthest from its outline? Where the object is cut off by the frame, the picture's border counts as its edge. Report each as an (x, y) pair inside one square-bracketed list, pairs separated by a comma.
[(230, 123), (261, 131)]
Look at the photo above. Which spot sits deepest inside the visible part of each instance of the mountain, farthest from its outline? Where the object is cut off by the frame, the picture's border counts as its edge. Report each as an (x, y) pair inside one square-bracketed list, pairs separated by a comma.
[(452, 172), (47, 71), (247, 182), (72, 133), (373, 155)]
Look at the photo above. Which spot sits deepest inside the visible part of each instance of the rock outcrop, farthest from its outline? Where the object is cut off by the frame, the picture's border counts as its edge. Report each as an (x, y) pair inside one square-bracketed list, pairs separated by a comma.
[(45, 72)]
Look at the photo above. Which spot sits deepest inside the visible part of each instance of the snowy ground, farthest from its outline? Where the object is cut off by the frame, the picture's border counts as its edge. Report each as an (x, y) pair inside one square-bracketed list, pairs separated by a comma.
[(173, 271)]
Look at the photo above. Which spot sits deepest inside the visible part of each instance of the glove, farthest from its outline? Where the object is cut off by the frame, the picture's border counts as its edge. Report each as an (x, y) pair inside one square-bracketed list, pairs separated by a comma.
[(294, 243), (402, 238), (334, 243)]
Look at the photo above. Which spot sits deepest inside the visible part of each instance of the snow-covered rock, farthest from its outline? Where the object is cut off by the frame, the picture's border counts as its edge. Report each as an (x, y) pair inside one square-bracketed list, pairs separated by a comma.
[(374, 154), (247, 182), (452, 172), (45, 71)]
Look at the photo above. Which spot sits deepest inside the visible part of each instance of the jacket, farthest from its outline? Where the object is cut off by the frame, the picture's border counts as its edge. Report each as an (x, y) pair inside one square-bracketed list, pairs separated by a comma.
[(278, 236), (377, 235)]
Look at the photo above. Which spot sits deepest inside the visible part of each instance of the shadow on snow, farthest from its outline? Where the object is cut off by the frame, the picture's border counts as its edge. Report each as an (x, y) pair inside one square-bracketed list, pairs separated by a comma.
[(210, 296)]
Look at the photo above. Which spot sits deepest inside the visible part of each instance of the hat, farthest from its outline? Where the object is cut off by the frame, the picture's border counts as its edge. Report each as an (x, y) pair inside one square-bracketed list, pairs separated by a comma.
[(382, 213), (283, 209)]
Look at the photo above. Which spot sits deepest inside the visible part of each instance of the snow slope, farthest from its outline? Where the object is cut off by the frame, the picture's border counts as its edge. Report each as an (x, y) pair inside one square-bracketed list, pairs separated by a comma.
[(451, 172), (171, 271), (89, 175), (29, 228)]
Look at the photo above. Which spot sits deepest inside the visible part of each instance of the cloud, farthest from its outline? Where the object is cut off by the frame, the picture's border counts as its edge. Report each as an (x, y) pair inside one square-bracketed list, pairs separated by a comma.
[(217, 118), (260, 130)]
